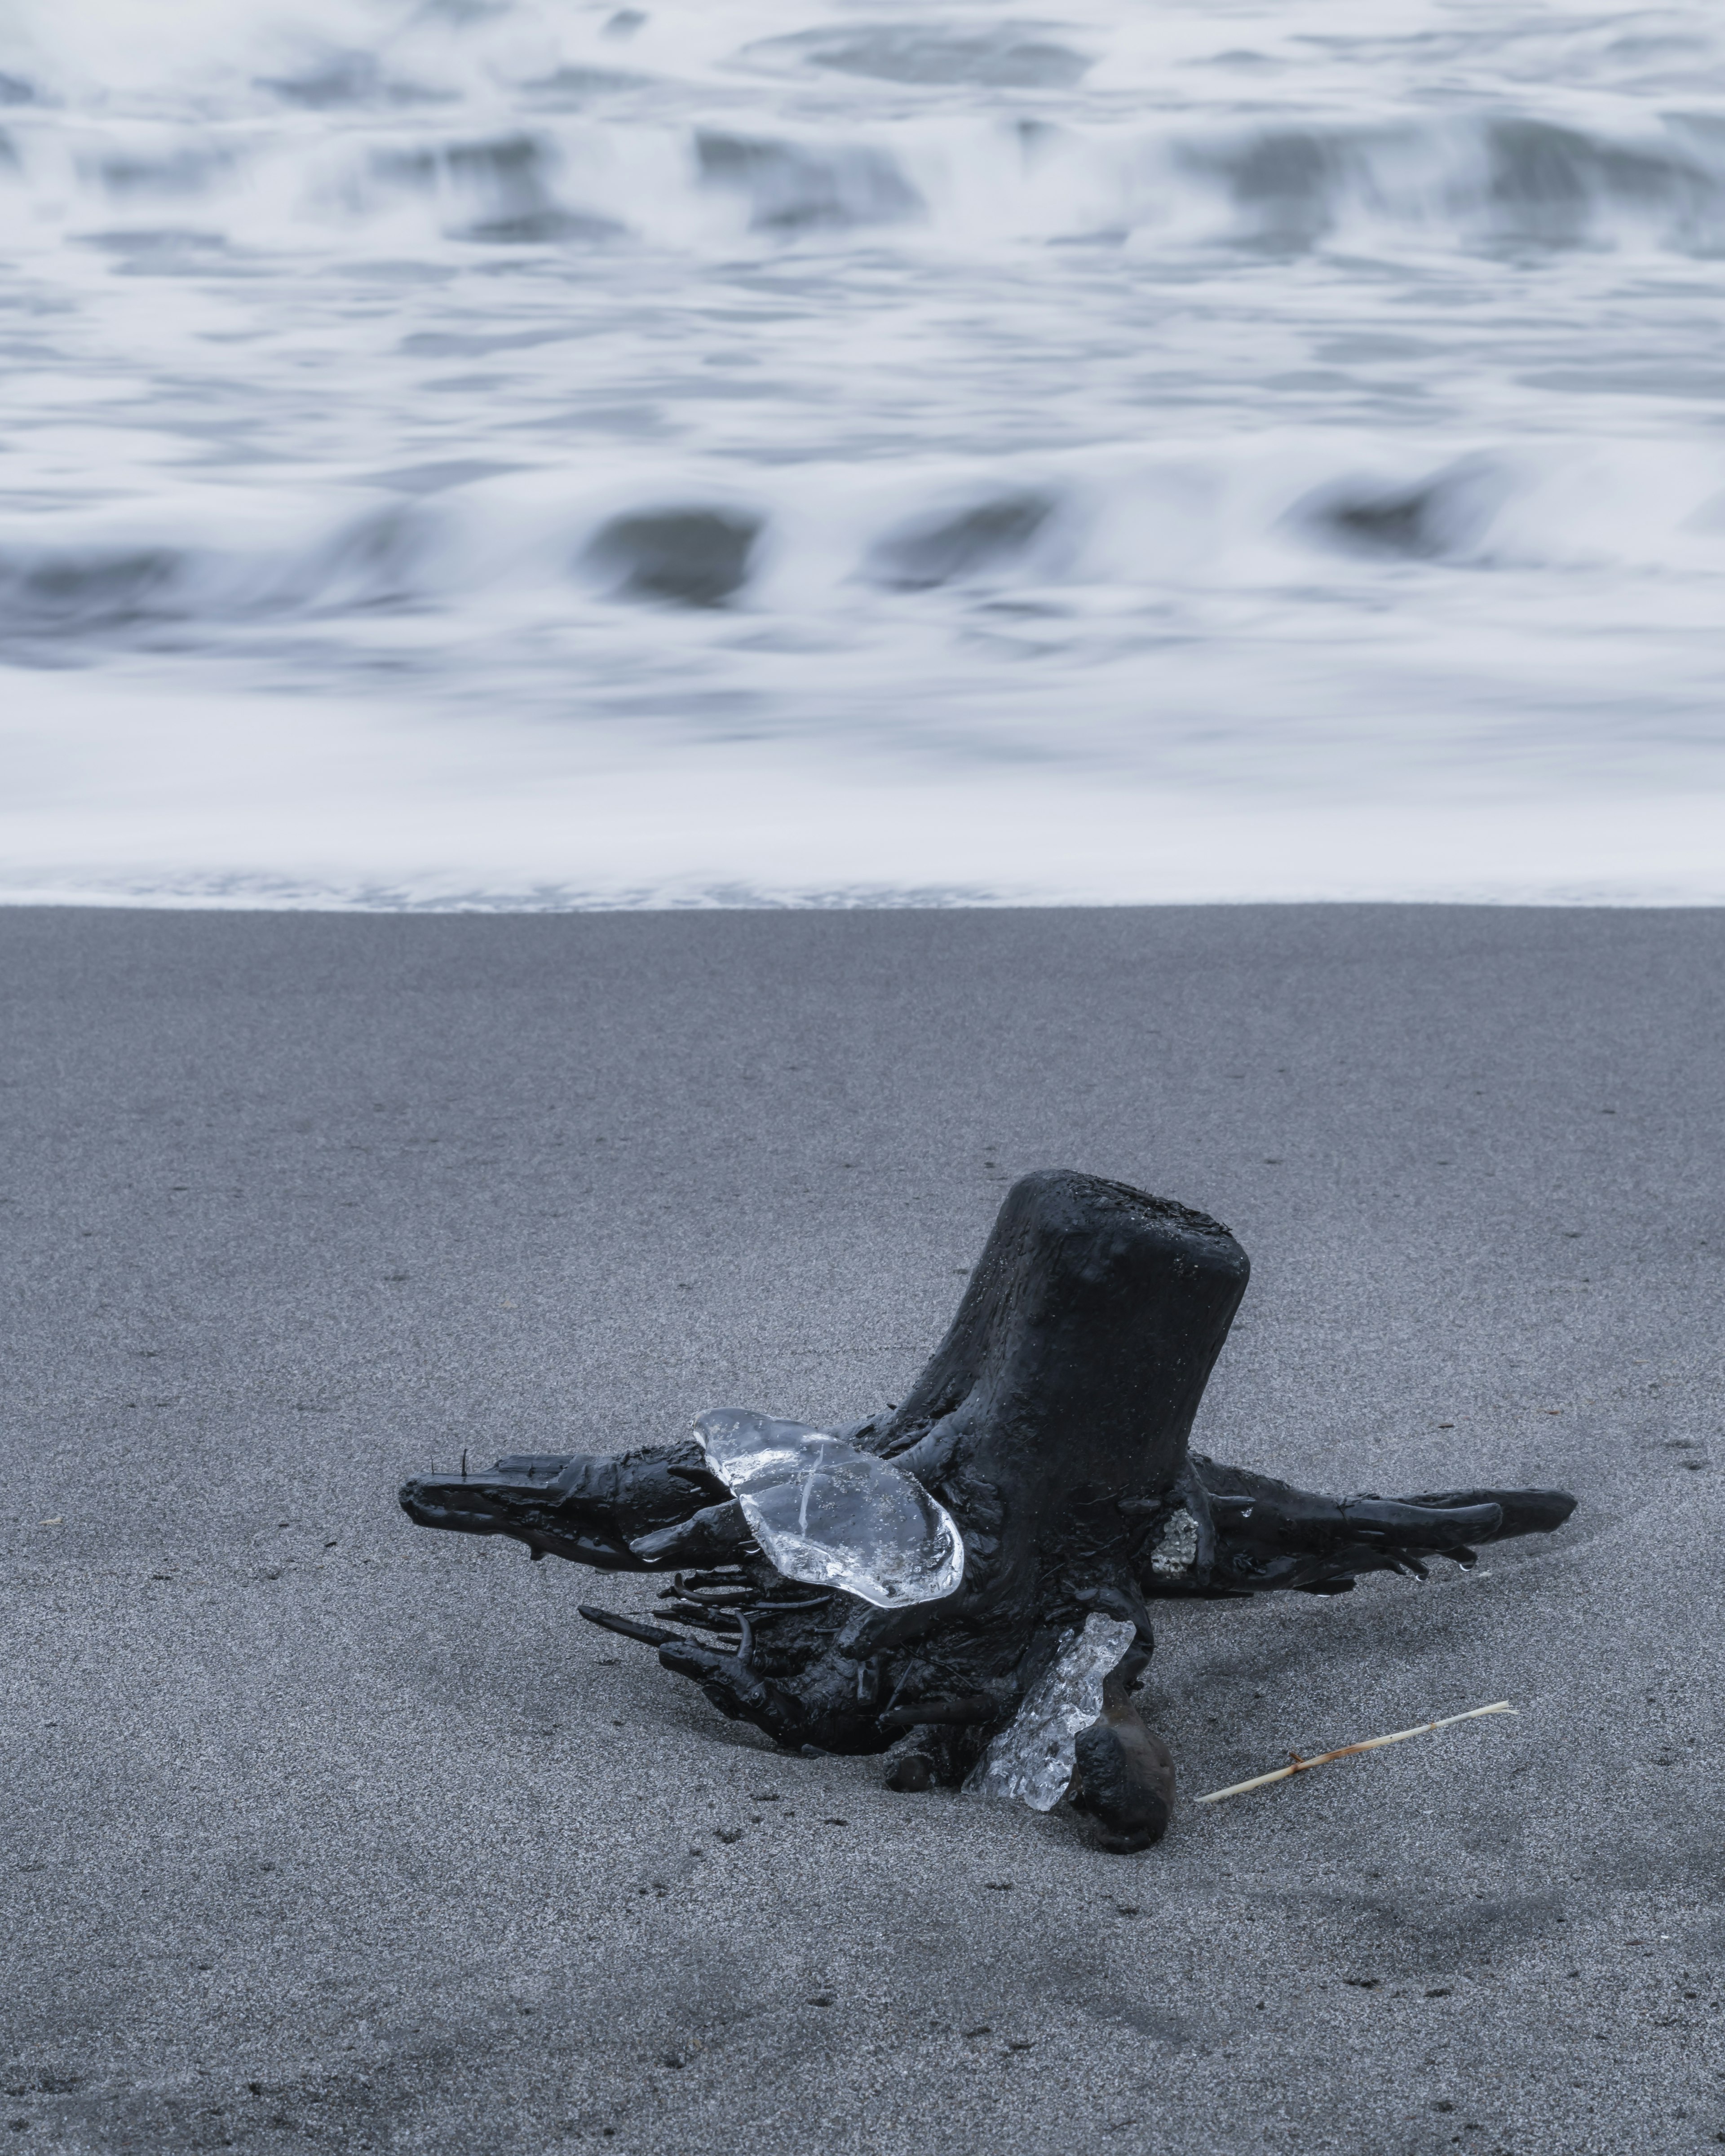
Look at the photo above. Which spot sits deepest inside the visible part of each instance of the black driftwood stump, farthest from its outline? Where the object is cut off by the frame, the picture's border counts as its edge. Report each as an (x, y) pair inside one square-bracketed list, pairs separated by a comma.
[(1052, 1425)]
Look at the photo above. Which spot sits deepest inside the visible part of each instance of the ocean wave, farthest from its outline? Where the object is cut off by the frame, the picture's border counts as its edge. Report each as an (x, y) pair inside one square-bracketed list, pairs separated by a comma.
[(94, 578), (1495, 178), (1487, 180), (809, 541)]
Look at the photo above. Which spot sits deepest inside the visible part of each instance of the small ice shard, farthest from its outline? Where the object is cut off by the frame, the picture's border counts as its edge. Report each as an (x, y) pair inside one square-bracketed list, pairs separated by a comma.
[(831, 1516), (1175, 1555), (1031, 1759)]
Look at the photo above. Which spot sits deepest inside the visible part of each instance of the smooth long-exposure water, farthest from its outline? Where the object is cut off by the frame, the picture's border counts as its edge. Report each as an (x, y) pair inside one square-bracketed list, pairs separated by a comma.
[(522, 451)]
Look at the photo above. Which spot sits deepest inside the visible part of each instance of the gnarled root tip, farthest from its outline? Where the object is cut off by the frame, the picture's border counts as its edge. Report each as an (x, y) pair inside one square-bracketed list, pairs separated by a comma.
[(713, 1536), (494, 1504), (738, 1693), (1524, 1511), (932, 1752), (911, 1762), (1123, 1777)]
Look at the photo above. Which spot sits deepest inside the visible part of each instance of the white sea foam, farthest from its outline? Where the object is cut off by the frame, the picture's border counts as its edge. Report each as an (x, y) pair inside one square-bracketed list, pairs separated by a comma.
[(512, 453)]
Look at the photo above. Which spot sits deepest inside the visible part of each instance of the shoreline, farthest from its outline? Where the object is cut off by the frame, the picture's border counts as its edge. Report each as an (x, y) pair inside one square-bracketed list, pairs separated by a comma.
[(128, 795)]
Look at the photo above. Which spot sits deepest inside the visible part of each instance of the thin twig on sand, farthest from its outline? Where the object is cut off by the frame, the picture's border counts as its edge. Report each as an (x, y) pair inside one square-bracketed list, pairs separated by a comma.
[(1299, 1766)]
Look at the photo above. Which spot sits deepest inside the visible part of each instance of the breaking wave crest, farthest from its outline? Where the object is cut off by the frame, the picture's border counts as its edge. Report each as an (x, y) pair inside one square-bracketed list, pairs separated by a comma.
[(596, 178), (807, 542), (518, 123)]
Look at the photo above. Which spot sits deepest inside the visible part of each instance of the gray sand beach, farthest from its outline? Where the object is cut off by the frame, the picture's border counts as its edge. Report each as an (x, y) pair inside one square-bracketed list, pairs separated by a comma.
[(323, 1832)]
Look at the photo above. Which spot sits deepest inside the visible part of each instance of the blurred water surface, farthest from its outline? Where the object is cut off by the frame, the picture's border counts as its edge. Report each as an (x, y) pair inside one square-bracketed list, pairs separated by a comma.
[(517, 451)]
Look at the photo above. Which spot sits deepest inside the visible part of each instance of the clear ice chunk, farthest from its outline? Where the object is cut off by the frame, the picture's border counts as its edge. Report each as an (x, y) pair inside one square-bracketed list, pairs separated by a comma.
[(1030, 1762), (1175, 1555), (831, 1516)]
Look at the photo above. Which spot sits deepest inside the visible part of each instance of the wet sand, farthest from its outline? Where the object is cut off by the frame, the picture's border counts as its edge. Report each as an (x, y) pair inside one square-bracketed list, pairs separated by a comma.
[(321, 1831)]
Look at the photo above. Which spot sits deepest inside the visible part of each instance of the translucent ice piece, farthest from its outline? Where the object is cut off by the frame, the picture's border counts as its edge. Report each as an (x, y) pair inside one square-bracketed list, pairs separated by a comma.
[(1175, 1555), (828, 1514), (1032, 1758)]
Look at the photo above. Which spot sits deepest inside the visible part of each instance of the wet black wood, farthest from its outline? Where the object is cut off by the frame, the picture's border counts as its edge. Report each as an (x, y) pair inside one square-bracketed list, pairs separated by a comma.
[(1053, 1423)]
